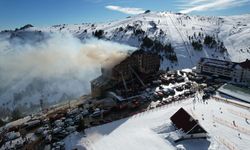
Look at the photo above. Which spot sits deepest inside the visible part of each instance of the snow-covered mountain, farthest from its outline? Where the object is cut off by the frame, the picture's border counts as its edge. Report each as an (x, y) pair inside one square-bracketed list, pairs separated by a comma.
[(180, 39), (178, 29)]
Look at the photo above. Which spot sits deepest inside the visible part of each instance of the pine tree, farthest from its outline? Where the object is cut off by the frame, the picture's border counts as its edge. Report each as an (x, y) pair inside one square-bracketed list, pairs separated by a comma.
[(2, 123), (16, 114), (81, 125)]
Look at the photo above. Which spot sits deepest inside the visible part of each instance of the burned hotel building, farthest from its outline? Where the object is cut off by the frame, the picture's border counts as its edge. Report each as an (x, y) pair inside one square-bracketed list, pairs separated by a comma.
[(136, 66)]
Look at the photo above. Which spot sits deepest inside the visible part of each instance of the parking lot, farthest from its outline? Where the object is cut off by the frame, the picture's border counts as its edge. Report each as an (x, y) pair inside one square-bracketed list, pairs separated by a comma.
[(51, 127)]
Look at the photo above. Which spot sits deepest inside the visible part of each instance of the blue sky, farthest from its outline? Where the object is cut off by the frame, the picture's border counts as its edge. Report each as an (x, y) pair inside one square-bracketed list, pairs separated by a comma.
[(16, 13)]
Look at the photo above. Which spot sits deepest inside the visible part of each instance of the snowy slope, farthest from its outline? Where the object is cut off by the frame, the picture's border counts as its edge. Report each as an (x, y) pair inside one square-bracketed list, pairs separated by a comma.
[(169, 28), (166, 27), (152, 130), (175, 29)]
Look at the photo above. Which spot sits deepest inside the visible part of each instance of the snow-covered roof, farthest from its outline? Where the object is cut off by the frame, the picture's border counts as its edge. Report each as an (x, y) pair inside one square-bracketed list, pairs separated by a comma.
[(218, 63), (152, 129), (236, 92), (225, 64), (183, 120)]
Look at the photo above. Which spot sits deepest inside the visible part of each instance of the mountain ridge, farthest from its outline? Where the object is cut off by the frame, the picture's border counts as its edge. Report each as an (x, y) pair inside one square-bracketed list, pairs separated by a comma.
[(178, 38)]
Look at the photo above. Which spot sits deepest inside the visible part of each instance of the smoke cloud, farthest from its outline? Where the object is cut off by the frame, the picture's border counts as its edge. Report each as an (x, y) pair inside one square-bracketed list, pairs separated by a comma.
[(59, 67)]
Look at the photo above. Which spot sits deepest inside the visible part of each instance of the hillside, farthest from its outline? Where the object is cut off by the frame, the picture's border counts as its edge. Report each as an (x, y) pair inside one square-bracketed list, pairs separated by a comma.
[(153, 129), (178, 29), (178, 38)]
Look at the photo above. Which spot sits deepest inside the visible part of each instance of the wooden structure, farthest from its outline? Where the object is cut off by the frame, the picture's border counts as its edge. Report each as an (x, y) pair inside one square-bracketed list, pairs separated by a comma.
[(185, 122), (139, 64)]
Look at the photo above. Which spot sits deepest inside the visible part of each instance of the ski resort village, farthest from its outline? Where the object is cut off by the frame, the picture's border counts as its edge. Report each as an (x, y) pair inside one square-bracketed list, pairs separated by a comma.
[(184, 83)]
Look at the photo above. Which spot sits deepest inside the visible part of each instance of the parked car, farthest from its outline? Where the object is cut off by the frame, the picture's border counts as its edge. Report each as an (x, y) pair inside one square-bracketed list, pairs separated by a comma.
[(209, 90), (156, 96), (171, 91), (69, 122), (179, 88), (180, 79), (57, 130), (59, 123), (71, 129), (85, 112), (187, 86), (48, 138), (41, 129), (187, 93), (166, 93), (160, 94), (205, 96), (32, 124), (56, 117), (96, 114), (74, 111), (46, 132), (156, 82), (11, 136)]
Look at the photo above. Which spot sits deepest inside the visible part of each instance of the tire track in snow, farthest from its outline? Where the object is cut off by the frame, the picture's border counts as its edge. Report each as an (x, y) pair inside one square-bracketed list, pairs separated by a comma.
[(181, 36)]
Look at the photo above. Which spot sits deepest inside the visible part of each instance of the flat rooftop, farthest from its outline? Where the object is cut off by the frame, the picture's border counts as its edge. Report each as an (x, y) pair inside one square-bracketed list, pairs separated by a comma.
[(218, 63), (236, 92), (100, 81)]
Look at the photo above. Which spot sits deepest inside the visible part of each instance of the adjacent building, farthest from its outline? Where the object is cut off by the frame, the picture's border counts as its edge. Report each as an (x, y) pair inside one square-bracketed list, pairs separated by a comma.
[(191, 128), (238, 73)]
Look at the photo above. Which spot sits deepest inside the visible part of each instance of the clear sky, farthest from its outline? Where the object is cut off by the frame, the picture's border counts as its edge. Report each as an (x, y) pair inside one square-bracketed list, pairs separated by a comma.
[(16, 13)]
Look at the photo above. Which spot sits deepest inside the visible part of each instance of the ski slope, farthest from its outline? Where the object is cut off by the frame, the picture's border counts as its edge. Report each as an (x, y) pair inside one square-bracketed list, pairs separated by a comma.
[(152, 130), (166, 27), (232, 30)]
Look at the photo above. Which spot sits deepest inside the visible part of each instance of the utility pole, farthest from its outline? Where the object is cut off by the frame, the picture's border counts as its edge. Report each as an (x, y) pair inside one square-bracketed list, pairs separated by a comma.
[(69, 104), (42, 103)]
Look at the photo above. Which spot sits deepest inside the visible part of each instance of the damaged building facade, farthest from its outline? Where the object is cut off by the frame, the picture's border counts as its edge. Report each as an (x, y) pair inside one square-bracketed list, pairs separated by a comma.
[(137, 65)]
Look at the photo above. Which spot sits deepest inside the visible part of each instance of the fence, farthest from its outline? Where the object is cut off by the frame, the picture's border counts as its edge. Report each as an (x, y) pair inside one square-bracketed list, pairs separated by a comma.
[(230, 145), (163, 106), (240, 114), (231, 102), (230, 125)]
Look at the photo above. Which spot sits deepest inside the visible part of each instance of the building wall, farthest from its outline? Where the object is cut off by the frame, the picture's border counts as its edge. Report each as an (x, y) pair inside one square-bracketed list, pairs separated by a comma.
[(197, 135), (246, 76), (236, 74), (96, 91), (141, 63), (149, 63), (124, 68), (217, 71)]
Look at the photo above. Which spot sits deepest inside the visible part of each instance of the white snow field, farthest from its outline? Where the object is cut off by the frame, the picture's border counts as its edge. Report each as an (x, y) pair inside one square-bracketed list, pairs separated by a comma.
[(152, 130), (166, 27)]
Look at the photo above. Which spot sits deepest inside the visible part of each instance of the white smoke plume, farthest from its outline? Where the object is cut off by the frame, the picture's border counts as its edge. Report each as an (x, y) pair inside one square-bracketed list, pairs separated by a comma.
[(61, 65)]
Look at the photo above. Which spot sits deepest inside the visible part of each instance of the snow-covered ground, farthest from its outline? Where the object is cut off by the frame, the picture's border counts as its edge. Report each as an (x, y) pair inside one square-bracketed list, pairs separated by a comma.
[(151, 130)]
